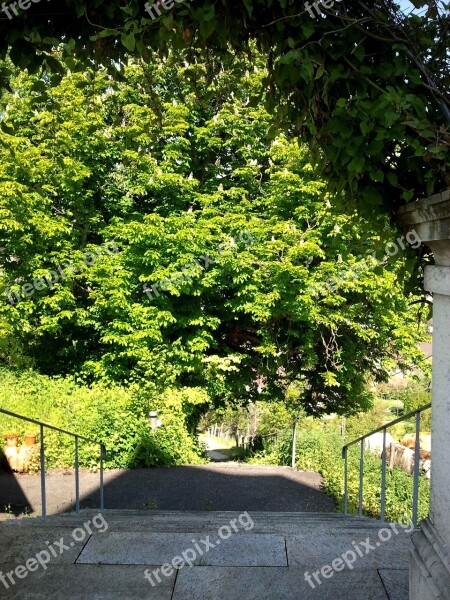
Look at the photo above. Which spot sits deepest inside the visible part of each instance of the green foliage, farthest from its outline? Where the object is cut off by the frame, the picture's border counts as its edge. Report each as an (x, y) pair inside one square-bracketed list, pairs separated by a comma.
[(116, 416), (399, 489), (171, 174), (166, 447), (415, 395), (174, 157), (273, 416), (378, 415), (399, 397), (319, 448), (366, 85)]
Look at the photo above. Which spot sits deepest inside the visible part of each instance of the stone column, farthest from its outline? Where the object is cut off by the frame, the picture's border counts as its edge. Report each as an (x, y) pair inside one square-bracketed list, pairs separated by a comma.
[(430, 560)]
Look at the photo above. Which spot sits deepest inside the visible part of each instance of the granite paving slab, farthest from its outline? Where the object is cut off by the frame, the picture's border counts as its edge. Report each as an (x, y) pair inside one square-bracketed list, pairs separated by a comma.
[(224, 583), (19, 544), (396, 583), (360, 548), (138, 548), (87, 582)]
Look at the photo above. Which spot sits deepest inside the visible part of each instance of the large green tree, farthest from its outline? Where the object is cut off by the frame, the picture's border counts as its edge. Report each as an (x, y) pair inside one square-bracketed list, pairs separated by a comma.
[(365, 84), (177, 165)]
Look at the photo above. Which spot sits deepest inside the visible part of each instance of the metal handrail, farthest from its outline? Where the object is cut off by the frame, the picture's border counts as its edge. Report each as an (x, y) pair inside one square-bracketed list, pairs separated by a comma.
[(414, 413), (390, 424), (77, 438)]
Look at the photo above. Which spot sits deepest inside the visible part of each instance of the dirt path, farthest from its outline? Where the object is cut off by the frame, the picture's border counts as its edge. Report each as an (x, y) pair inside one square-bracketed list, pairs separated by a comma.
[(217, 456), (215, 447)]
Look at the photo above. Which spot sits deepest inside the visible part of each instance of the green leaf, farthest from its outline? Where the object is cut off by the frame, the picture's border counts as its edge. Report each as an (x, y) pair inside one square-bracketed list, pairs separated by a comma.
[(392, 178), (249, 6), (308, 29), (207, 28), (307, 70), (128, 40), (38, 86), (108, 33), (357, 164), (365, 127), (408, 195), (377, 175), (319, 73)]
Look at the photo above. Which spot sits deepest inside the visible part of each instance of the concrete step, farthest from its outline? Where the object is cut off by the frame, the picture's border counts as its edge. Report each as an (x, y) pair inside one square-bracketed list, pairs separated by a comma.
[(88, 582), (153, 520), (282, 556)]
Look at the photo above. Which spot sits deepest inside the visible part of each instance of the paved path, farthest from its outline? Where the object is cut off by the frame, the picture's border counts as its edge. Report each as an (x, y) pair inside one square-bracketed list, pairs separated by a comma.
[(217, 486)]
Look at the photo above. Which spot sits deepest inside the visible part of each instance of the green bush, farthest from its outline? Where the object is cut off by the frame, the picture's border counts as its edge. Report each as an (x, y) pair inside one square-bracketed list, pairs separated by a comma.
[(167, 446), (116, 416), (319, 448)]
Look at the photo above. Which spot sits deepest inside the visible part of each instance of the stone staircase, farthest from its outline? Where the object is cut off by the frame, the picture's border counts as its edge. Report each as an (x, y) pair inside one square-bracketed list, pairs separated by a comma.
[(234, 556)]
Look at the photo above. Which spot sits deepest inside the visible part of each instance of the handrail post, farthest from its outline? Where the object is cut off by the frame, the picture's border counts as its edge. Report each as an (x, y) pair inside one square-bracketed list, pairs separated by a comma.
[(361, 479), (102, 492), (415, 509), (41, 426), (77, 478), (383, 478), (42, 460), (416, 472), (344, 456)]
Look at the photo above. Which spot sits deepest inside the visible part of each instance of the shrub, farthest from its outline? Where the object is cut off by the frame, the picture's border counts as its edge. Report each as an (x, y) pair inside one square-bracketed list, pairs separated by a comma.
[(116, 416), (319, 448)]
